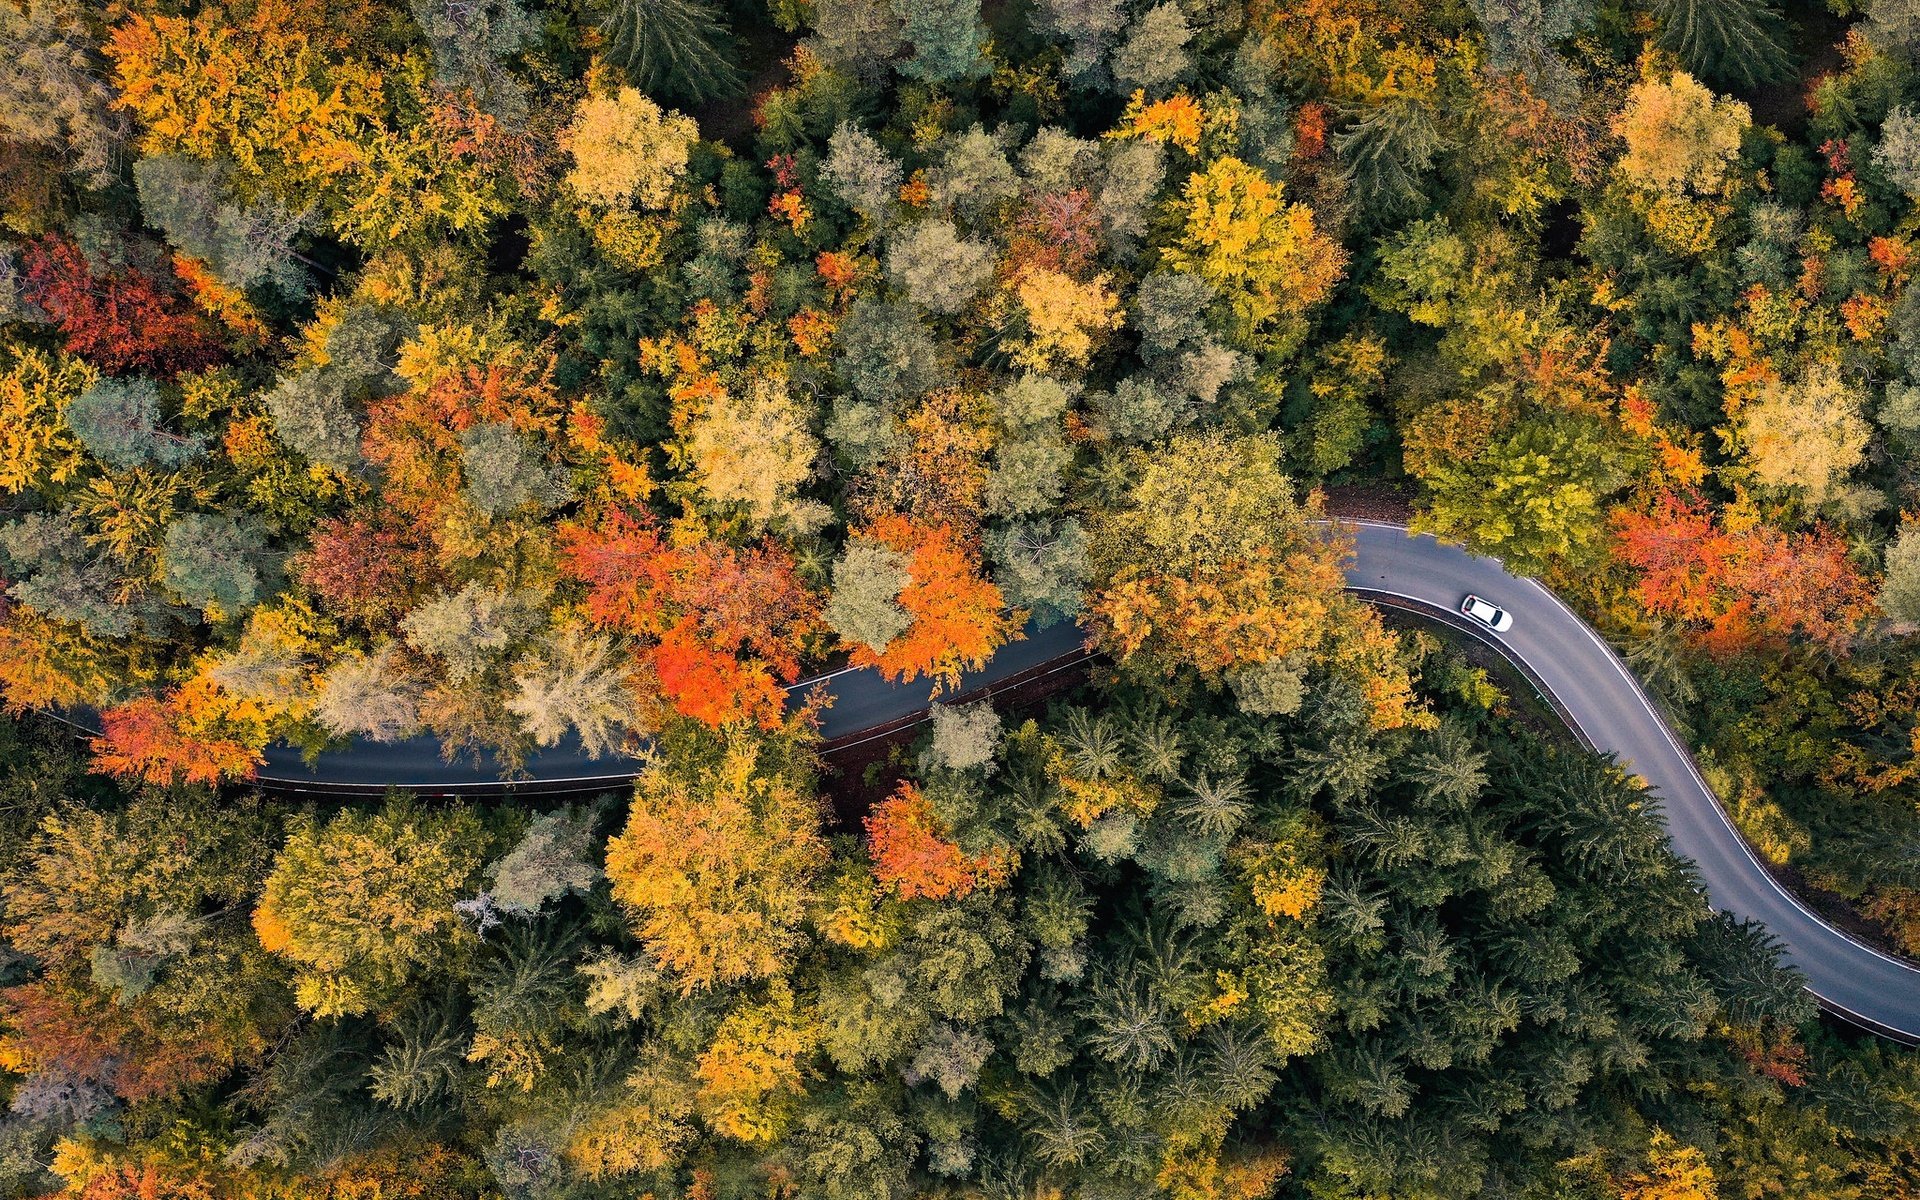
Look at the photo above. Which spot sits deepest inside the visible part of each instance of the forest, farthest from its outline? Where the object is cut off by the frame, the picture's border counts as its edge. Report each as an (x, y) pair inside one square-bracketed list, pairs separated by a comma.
[(519, 373)]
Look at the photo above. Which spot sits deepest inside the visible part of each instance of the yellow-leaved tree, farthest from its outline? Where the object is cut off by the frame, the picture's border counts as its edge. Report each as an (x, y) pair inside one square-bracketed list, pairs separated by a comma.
[(1808, 434), (718, 860), (749, 449), (1212, 562), (1063, 317), (36, 447), (627, 149), (1266, 257), (1680, 137), (1674, 1171), (364, 902), (750, 1076)]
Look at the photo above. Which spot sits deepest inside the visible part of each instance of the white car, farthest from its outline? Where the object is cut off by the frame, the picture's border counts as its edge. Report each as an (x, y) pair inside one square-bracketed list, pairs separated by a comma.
[(1497, 619)]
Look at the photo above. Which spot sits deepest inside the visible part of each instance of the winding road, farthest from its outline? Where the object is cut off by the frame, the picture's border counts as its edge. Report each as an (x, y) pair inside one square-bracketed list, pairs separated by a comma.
[(1575, 670)]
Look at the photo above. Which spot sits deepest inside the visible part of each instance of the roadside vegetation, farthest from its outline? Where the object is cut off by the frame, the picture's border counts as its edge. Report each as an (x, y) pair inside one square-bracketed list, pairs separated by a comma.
[(503, 372)]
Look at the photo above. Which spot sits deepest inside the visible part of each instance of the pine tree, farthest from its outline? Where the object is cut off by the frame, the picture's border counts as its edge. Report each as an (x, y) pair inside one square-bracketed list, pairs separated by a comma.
[(422, 1062), (1731, 42), (1128, 1021), (1385, 154), (672, 49), (947, 38)]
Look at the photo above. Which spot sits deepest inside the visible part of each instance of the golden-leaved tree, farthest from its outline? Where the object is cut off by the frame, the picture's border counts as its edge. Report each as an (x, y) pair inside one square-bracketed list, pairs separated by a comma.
[(1267, 258), (364, 902), (718, 860), (1212, 562)]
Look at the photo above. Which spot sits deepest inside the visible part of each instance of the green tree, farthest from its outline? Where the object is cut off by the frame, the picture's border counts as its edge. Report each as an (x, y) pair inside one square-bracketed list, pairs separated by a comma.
[(213, 562), (424, 1060), (1386, 153), (363, 903), (1154, 55), (947, 37), (470, 41), (1898, 154), (554, 858), (370, 695), (118, 421), (1900, 592), (1533, 497), (1089, 27), (1736, 43), (506, 473), (1041, 565), (938, 268), (472, 629), (313, 415), (55, 572), (572, 681), (861, 173), (673, 49), (865, 606), (246, 245)]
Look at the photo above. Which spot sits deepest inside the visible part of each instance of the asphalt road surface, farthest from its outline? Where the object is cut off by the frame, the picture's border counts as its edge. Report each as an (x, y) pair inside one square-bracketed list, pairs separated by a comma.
[(1579, 673)]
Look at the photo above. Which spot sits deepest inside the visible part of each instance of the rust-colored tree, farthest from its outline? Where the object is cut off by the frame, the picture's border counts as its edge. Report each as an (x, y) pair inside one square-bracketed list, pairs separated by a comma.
[(120, 321), (368, 567), (148, 739), (913, 856), (1739, 582), (722, 626)]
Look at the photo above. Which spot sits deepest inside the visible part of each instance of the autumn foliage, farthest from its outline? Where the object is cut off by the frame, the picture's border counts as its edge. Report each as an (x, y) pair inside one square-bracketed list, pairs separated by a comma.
[(1214, 562), (122, 320), (149, 739), (1737, 581), (369, 568), (723, 626), (958, 617), (716, 862), (913, 856)]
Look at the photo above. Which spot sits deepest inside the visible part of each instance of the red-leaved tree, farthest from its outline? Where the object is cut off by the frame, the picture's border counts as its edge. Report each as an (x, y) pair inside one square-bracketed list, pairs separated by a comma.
[(369, 569), (913, 857), (124, 321)]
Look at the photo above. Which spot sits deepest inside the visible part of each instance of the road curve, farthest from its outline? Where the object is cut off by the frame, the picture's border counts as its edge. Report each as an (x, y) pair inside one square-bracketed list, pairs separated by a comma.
[(1593, 690), (1580, 675)]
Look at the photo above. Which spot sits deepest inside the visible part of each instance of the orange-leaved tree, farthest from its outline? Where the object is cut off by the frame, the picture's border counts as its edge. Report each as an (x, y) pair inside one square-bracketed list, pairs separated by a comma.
[(722, 626), (913, 855), (910, 599), (463, 382), (1737, 580), (153, 740)]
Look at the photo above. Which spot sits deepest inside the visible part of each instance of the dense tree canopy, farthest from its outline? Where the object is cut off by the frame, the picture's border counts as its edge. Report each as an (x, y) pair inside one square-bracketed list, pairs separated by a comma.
[(519, 374)]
